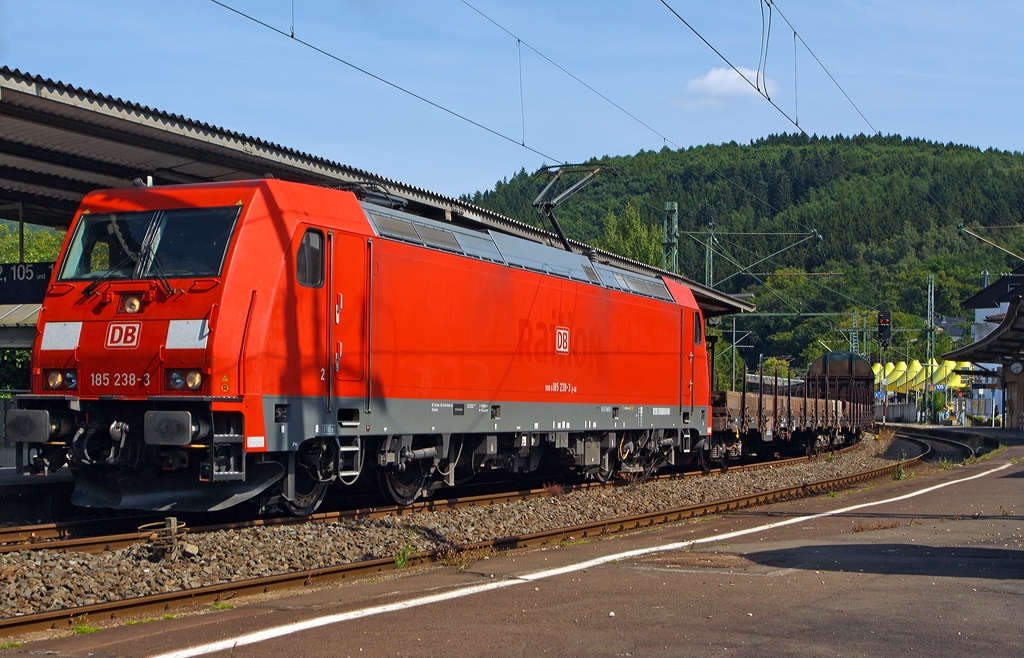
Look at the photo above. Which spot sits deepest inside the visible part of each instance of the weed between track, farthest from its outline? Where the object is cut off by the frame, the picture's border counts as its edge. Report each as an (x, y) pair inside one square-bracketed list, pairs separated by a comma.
[(453, 556), (900, 472), (404, 553), (573, 542), (554, 489)]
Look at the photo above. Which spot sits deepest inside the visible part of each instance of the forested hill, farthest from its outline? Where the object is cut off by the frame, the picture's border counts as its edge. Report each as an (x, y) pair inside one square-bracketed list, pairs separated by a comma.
[(886, 209)]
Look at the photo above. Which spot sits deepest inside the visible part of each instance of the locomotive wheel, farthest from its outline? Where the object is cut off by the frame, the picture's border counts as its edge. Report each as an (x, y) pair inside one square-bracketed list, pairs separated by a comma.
[(313, 475), (305, 504), (723, 463), (704, 461), (403, 486)]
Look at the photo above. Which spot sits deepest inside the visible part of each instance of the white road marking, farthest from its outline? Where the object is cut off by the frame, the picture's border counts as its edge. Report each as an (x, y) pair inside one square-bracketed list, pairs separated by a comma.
[(288, 629)]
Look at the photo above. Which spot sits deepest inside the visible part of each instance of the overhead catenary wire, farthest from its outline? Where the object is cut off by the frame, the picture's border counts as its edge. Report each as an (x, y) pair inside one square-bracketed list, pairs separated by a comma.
[(841, 90), (796, 97), (522, 105), (795, 119), (792, 120), (571, 75), (707, 163), (766, 38), (385, 81), (830, 77), (725, 59), (760, 52)]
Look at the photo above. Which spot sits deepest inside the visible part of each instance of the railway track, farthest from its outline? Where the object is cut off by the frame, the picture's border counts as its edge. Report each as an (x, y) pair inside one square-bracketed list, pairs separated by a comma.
[(87, 537), (224, 591), (942, 448)]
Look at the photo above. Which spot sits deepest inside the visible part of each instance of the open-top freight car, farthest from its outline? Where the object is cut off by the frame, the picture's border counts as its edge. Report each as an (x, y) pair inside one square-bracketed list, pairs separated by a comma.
[(205, 345), (830, 407)]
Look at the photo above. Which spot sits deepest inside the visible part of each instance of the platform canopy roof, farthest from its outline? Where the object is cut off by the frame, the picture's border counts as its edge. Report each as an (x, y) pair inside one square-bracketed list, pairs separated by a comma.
[(59, 142), (1003, 344), (18, 325)]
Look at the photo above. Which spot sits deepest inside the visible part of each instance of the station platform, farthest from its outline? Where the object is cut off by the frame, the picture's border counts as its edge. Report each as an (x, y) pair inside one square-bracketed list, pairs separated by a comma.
[(978, 436), (930, 565)]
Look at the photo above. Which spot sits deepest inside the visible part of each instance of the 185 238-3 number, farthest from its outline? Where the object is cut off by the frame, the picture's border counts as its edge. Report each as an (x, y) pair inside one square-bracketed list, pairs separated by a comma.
[(120, 379)]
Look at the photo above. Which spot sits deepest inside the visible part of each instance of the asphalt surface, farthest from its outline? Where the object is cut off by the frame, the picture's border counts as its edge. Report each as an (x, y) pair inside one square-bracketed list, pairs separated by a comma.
[(937, 574)]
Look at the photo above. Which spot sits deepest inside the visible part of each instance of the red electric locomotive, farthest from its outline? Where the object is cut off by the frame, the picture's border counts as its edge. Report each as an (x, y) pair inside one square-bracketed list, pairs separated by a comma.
[(204, 345)]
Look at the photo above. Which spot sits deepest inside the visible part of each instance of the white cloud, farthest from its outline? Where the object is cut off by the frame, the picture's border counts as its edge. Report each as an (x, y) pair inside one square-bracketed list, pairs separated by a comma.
[(719, 86)]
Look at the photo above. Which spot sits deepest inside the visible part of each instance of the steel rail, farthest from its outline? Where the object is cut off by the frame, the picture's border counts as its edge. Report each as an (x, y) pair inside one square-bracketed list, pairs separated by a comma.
[(220, 592), (58, 536), (919, 435)]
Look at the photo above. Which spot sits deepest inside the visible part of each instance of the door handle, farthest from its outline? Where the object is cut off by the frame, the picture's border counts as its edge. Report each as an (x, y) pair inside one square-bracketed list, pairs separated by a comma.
[(337, 311), (337, 358)]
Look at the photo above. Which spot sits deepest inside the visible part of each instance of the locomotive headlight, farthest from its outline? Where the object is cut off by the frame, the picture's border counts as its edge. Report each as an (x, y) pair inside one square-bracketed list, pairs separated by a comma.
[(193, 379), (54, 379), (131, 303), (176, 379), (70, 379)]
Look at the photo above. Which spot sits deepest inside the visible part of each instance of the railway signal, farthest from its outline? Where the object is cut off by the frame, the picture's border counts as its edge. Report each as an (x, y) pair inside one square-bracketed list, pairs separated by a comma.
[(884, 329)]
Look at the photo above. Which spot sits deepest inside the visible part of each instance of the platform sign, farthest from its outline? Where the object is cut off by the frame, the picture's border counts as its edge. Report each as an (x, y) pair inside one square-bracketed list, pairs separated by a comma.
[(940, 387), (24, 283)]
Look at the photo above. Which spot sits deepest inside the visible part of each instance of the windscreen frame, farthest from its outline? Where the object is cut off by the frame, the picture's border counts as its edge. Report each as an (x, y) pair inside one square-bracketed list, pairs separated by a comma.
[(148, 254)]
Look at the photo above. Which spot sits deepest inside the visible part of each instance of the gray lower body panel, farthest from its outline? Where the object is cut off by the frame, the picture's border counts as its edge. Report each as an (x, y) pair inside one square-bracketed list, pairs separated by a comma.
[(291, 420)]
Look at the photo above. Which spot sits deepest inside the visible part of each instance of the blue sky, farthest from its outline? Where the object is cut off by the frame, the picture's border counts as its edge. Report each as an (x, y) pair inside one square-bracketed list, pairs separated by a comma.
[(945, 71)]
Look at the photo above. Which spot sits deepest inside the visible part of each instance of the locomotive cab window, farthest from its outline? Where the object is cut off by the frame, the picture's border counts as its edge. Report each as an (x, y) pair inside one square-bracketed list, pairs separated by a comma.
[(157, 243), (309, 261), (698, 329)]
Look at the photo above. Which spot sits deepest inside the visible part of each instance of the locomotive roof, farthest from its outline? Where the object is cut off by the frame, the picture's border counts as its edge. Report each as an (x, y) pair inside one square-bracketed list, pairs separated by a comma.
[(510, 250), (59, 142)]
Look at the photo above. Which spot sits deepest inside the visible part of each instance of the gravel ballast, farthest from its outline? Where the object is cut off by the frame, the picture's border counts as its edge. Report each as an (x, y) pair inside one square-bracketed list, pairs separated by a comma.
[(38, 581)]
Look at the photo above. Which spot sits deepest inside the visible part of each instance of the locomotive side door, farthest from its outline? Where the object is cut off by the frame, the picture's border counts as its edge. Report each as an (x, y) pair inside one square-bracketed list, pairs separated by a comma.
[(348, 307), (686, 361), (309, 324)]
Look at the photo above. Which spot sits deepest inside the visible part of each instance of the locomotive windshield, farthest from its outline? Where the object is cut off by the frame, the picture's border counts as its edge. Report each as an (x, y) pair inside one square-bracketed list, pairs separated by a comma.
[(142, 245)]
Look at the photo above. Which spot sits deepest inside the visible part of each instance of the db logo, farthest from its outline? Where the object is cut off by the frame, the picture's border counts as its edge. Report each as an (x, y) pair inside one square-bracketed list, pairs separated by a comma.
[(562, 340), (123, 334)]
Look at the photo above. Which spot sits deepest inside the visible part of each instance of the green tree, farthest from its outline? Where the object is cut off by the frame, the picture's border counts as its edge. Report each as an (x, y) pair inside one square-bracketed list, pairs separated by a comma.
[(631, 237), (41, 244), (14, 369)]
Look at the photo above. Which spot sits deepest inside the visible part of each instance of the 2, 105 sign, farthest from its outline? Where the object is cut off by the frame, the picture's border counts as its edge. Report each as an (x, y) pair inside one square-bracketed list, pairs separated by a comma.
[(24, 283)]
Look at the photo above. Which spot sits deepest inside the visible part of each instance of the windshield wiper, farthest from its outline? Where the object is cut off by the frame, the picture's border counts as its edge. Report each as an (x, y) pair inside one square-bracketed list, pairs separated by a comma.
[(161, 277), (89, 289), (148, 258)]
